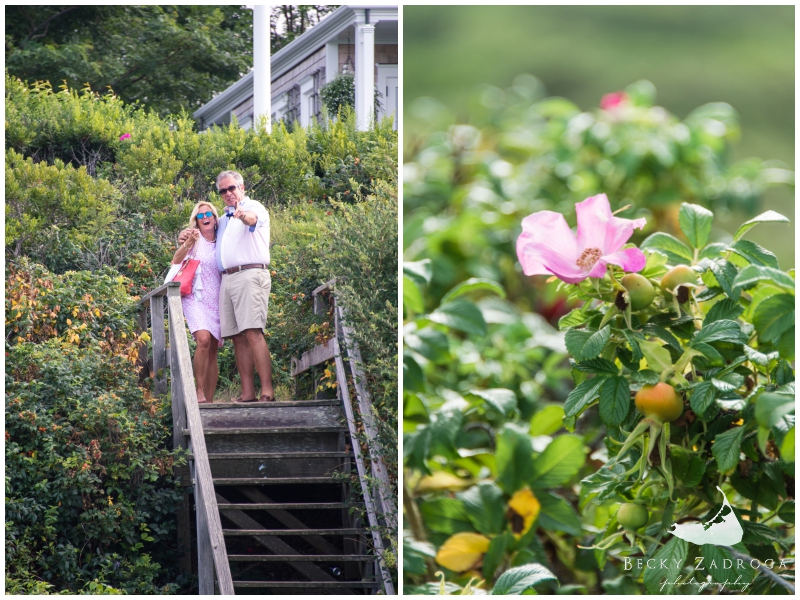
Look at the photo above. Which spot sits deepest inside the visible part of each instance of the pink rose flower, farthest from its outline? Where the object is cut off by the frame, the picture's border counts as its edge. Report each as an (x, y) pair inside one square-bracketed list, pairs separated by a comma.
[(614, 100), (124, 136), (547, 246)]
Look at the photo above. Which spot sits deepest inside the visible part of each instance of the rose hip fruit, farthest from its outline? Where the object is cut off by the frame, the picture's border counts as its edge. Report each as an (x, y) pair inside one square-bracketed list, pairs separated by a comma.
[(640, 290), (676, 277), (660, 402), (632, 516)]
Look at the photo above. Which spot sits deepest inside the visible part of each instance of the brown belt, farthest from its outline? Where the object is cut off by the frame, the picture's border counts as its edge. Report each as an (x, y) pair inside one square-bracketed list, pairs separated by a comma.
[(233, 270)]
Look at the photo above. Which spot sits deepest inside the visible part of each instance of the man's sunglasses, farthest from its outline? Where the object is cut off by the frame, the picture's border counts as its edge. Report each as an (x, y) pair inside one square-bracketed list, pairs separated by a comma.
[(226, 190), (204, 215)]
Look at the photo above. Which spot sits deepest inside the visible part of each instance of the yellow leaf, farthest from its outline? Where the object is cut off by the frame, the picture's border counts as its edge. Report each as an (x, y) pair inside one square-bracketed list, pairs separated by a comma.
[(523, 509), (462, 551), (441, 480), (69, 321), (123, 335)]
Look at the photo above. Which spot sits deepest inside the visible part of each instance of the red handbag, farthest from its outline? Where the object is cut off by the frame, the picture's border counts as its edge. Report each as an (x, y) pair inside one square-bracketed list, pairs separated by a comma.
[(186, 275)]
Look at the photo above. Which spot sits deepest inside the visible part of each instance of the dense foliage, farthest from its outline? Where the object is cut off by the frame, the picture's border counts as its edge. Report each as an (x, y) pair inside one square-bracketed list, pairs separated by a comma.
[(528, 466), (96, 192)]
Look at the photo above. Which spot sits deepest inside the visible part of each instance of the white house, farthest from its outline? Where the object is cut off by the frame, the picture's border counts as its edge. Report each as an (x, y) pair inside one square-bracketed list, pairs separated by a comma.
[(358, 39)]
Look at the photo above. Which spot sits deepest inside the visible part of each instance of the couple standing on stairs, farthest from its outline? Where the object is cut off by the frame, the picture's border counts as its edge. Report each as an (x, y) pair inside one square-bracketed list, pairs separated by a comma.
[(230, 292)]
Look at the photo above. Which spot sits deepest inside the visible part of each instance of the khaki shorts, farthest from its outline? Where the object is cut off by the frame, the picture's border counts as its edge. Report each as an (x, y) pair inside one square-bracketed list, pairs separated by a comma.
[(243, 301)]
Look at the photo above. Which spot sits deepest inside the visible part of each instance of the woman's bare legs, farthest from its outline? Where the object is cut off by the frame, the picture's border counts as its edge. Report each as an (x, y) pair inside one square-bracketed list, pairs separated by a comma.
[(202, 362), (212, 372)]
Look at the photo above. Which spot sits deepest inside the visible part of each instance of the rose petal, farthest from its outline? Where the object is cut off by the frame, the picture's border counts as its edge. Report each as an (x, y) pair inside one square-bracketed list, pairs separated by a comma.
[(631, 260), (546, 244), (619, 231), (594, 213)]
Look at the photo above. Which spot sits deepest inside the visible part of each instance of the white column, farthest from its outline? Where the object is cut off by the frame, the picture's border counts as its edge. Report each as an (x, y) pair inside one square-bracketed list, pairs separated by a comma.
[(331, 61), (262, 67), (365, 75)]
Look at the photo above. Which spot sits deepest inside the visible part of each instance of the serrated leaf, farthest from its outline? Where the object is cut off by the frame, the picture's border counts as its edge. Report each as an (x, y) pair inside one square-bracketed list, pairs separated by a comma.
[(485, 507), (724, 309), (686, 467), (519, 579), (597, 366), (577, 316), (547, 421), (757, 357), (445, 515), (430, 343), (710, 353), (474, 284), (771, 408), (785, 344), (513, 453), (725, 273), (758, 534), (655, 266), (559, 462), (755, 254), (495, 554), (413, 378), (728, 382), (647, 376), (502, 400), (786, 512), (751, 275), (582, 396), (634, 342), (615, 400), (658, 358), (703, 396), (462, 315), (674, 554), (420, 271), (557, 514), (713, 251), (722, 330), (676, 251), (774, 316), (722, 566), (695, 222), (583, 345), (726, 448), (767, 217)]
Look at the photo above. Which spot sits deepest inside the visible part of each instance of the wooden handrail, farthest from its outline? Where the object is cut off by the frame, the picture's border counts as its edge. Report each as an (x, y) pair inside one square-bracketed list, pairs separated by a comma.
[(186, 413)]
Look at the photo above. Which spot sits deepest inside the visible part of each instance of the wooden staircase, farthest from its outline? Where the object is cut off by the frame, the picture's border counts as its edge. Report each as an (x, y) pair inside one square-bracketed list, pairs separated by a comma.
[(270, 484)]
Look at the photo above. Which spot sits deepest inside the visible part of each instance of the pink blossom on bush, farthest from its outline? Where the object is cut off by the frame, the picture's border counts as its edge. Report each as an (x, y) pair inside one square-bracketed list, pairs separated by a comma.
[(124, 136), (614, 100), (547, 246)]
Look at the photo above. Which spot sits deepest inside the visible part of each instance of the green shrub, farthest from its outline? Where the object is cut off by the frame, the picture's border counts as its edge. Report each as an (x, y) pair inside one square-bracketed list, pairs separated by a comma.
[(89, 489)]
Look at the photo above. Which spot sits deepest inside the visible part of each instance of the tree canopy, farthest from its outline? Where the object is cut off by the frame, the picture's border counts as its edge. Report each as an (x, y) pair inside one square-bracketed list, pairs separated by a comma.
[(166, 57)]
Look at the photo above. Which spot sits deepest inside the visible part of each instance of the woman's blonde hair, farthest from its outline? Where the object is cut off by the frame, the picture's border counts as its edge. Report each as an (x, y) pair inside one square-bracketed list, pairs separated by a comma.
[(192, 219)]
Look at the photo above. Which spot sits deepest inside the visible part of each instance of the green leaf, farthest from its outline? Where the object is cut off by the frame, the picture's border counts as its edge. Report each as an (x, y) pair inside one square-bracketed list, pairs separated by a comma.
[(674, 554), (502, 400), (785, 344), (559, 462), (710, 353), (597, 366), (547, 421), (688, 468), (583, 345), (757, 357), (412, 298), (695, 222), (774, 316), (767, 217), (634, 342), (726, 448), (755, 254), (615, 400), (494, 556), (583, 395), (557, 514), (462, 315), (656, 264), (577, 316), (751, 275), (414, 555), (420, 271), (658, 358), (771, 408), (758, 534), (519, 579), (721, 330), (713, 251), (430, 343), (724, 309), (725, 273), (722, 566), (485, 507), (513, 455), (474, 284), (413, 378), (703, 396), (676, 251), (445, 515)]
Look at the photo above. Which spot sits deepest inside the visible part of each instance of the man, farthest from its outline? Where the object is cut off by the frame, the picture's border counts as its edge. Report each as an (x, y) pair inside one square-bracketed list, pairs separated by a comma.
[(243, 258)]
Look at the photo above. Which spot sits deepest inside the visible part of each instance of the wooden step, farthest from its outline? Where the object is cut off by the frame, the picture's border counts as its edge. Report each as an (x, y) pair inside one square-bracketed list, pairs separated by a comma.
[(306, 584), (278, 404), (252, 464), (285, 440), (260, 532), (273, 480), (300, 558), (275, 455), (286, 506), (267, 430)]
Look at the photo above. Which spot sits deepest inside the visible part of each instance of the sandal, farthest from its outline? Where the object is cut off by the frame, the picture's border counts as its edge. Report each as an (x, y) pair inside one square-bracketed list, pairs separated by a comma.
[(266, 398), (241, 400)]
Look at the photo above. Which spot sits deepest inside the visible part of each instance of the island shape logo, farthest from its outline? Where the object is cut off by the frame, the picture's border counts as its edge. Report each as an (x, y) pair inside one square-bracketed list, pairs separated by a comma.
[(726, 532)]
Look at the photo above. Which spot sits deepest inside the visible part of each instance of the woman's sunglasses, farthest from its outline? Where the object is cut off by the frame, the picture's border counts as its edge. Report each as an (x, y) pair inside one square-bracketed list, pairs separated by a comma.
[(205, 215)]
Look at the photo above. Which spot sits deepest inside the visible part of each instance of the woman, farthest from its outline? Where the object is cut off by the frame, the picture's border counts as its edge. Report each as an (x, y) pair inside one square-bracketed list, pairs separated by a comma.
[(201, 307)]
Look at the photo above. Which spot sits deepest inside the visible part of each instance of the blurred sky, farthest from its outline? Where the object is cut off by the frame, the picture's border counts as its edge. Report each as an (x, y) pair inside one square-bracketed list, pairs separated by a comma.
[(742, 55)]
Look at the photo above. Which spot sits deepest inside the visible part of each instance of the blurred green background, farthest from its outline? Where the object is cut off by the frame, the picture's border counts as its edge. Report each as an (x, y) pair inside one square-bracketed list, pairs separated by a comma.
[(742, 55)]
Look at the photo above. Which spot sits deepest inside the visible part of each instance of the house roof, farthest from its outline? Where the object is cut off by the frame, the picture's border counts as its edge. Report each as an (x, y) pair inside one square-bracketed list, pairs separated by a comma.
[(323, 32)]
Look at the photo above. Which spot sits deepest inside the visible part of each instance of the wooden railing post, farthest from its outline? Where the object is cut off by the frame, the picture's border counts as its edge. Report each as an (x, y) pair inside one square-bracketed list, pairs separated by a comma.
[(159, 344), (176, 387)]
